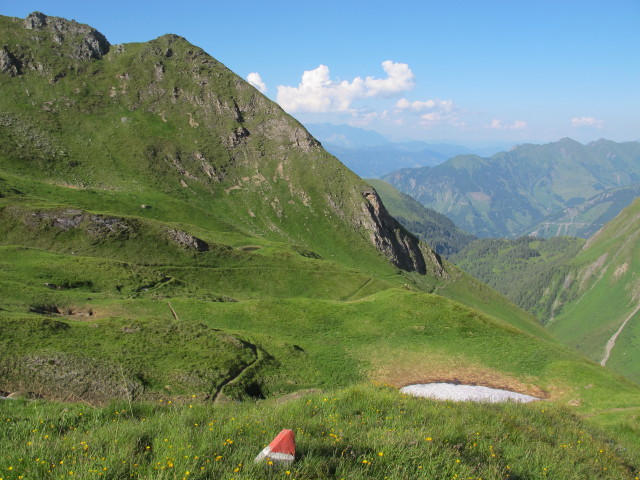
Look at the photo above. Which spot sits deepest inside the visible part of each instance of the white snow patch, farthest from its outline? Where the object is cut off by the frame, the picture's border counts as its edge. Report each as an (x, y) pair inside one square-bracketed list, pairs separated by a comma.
[(465, 393)]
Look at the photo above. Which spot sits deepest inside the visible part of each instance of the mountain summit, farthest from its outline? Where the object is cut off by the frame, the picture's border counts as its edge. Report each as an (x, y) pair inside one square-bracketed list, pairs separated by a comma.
[(165, 113)]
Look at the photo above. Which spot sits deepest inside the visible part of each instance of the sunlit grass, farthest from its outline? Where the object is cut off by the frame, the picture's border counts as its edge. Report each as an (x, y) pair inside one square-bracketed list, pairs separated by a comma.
[(356, 433)]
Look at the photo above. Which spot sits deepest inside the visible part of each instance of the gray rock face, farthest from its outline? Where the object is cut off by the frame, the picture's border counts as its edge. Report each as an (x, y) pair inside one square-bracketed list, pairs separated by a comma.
[(93, 44), (394, 242), (35, 21), (8, 64), (188, 241)]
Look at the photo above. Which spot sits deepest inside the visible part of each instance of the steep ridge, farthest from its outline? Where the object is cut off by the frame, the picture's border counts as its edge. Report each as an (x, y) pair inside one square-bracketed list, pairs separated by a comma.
[(601, 294), (512, 193), (102, 116)]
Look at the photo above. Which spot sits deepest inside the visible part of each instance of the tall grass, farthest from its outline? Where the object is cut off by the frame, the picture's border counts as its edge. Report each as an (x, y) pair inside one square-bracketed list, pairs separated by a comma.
[(362, 432)]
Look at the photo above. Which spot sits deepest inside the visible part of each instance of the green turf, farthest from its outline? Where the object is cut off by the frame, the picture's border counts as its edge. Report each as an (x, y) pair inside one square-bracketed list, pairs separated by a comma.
[(166, 231)]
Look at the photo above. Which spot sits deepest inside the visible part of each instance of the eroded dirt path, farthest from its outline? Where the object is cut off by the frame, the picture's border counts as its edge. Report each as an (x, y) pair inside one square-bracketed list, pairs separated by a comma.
[(612, 341)]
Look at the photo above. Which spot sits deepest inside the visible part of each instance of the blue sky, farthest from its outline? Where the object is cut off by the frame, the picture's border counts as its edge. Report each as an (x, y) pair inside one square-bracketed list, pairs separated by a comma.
[(469, 71)]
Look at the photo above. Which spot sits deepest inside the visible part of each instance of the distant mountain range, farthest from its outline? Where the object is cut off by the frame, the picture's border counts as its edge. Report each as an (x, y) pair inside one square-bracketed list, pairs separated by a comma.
[(371, 155), (562, 187)]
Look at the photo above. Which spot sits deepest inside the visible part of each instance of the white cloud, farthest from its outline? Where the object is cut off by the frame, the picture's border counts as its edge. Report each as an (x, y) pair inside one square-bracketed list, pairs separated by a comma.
[(399, 78), (318, 93), (587, 122), (421, 106), (497, 125), (255, 79), (434, 112)]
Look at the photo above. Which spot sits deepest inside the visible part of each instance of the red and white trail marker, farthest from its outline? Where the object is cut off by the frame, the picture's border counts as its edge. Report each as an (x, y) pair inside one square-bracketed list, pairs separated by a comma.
[(281, 449)]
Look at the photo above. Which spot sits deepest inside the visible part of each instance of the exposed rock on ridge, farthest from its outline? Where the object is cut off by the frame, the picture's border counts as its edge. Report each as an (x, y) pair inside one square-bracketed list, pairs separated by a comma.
[(398, 245), (217, 137), (92, 43)]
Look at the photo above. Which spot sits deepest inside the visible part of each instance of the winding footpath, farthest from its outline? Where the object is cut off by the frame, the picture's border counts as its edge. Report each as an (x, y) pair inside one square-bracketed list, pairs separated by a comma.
[(254, 350), (612, 341), (233, 377)]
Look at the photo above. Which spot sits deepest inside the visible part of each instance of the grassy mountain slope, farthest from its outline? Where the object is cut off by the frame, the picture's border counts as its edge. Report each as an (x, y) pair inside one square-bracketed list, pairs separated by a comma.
[(510, 193), (167, 232), (166, 118), (529, 271), (434, 228), (602, 293), (145, 176)]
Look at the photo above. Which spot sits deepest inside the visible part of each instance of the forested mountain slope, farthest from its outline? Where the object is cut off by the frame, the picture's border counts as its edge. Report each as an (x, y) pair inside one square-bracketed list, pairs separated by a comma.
[(530, 271), (530, 188)]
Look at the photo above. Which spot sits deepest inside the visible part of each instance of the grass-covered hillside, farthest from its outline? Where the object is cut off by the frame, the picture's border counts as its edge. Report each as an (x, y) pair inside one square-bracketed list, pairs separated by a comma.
[(598, 306), (172, 241), (358, 433)]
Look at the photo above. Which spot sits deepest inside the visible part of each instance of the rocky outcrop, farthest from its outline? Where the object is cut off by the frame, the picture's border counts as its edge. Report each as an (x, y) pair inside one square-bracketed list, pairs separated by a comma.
[(89, 43), (8, 63), (188, 241), (95, 225), (394, 242)]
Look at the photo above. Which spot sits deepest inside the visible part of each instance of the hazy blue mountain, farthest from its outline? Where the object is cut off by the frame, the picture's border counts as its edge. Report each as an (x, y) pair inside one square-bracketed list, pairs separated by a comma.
[(371, 155), (346, 136), (374, 162), (511, 193)]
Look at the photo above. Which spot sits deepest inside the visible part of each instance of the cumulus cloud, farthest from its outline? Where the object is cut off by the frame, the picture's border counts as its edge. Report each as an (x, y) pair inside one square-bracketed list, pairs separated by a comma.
[(586, 122), (255, 79), (434, 111), (317, 92), (399, 79), (421, 106), (498, 125)]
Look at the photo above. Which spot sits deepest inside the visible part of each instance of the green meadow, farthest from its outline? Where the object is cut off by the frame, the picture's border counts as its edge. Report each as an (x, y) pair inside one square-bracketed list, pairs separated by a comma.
[(184, 271), (360, 432)]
